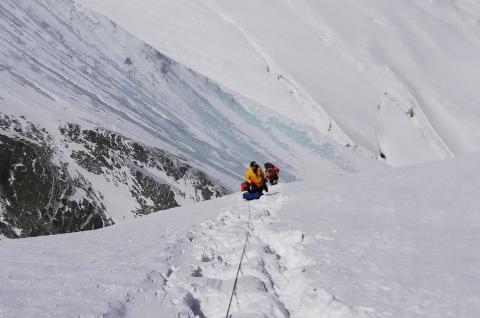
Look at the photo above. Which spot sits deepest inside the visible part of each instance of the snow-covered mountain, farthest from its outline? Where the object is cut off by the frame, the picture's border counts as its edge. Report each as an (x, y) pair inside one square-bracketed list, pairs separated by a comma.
[(131, 129), (158, 104), (398, 78)]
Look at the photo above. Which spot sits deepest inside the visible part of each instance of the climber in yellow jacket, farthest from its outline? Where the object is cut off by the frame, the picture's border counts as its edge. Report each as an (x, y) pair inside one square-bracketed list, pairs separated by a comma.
[(255, 179), (254, 174)]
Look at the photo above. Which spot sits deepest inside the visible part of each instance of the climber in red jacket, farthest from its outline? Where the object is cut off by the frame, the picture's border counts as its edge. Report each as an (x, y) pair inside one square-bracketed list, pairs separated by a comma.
[(271, 173)]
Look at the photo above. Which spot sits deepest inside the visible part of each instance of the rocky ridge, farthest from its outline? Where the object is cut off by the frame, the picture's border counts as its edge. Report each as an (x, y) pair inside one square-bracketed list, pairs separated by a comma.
[(49, 185)]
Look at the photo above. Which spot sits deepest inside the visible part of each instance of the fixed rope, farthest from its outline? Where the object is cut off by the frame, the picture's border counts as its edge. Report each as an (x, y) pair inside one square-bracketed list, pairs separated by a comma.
[(247, 235)]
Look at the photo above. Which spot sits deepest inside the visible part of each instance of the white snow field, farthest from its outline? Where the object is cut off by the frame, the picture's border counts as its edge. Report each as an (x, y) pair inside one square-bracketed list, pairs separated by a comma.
[(394, 77), (394, 243)]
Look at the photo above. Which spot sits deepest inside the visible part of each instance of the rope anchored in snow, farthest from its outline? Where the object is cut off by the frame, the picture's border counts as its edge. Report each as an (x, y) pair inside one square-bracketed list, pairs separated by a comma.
[(234, 289)]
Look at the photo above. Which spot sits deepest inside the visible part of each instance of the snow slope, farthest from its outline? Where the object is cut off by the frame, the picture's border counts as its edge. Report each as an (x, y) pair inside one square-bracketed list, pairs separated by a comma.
[(383, 243), (380, 243), (398, 78), (62, 64)]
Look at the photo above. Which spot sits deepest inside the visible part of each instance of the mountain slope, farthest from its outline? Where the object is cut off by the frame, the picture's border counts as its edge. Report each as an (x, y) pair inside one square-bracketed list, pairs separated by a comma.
[(143, 132), (387, 243), (89, 179), (397, 78)]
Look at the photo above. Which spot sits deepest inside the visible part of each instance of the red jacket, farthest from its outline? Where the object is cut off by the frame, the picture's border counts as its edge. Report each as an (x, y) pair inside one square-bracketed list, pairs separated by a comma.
[(271, 170)]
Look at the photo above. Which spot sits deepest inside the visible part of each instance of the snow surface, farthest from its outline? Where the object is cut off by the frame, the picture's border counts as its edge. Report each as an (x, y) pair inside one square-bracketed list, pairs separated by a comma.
[(381, 243), (356, 71)]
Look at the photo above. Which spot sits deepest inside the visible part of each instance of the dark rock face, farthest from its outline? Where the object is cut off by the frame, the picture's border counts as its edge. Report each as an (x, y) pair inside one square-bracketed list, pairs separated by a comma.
[(45, 186), (153, 176), (38, 196)]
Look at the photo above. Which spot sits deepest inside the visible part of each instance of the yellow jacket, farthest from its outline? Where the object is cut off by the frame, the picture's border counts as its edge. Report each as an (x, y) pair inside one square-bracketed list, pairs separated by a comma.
[(254, 178)]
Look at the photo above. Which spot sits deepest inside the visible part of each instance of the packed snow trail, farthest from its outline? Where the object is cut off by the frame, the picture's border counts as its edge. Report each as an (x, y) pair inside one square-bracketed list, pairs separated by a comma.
[(382, 243), (273, 282)]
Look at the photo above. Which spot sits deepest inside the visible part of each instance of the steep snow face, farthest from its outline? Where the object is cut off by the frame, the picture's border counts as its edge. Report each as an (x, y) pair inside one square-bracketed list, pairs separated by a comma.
[(393, 243), (63, 66), (398, 78), (61, 63)]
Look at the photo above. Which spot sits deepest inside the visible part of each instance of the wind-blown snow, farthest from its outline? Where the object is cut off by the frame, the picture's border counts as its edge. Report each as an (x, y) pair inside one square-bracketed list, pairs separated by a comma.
[(394, 77), (397, 243)]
